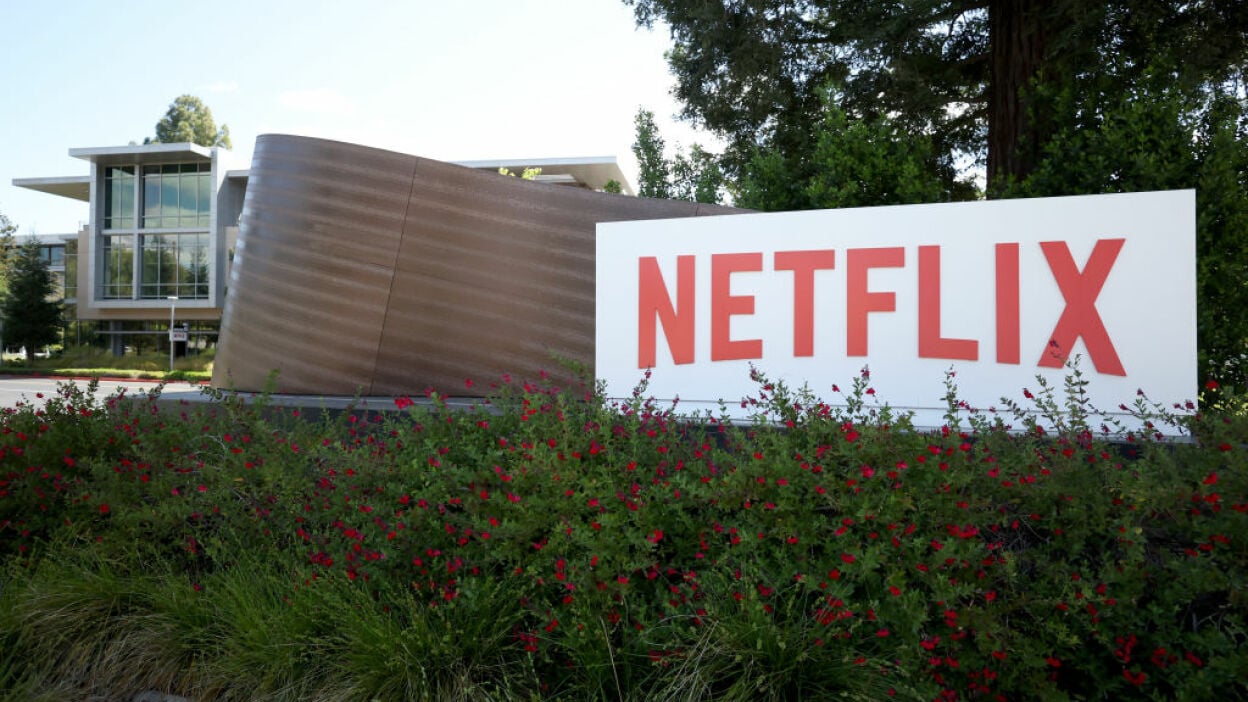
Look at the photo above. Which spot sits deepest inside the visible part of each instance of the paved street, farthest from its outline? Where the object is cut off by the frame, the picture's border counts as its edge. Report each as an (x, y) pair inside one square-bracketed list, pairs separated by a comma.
[(18, 389)]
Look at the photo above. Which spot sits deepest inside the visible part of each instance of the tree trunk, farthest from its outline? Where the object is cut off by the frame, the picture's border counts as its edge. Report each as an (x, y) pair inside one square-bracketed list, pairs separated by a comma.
[(1018, 40)]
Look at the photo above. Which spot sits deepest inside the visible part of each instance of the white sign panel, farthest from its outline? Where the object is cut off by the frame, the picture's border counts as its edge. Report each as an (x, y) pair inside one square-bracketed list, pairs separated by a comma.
[(998, 291)]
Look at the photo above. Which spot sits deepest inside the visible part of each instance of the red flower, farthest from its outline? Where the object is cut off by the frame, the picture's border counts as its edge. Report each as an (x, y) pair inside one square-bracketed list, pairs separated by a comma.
[(403, 402), (848, 557), (1136, 679), (104, 509)]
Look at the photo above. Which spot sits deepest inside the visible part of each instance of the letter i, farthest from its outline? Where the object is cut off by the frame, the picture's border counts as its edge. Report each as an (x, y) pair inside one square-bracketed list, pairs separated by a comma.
[(1007, 304)]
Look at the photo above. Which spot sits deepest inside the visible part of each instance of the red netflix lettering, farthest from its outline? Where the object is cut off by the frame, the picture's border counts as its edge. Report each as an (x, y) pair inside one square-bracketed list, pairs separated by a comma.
[(804, 264), (1080, 318), (858, 301), (654, 302), (1007, 304), (931, 343), (724, 306), (675, 309)]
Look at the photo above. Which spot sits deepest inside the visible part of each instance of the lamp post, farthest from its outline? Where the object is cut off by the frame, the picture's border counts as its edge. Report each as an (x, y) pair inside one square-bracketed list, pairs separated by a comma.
[(173, 303)]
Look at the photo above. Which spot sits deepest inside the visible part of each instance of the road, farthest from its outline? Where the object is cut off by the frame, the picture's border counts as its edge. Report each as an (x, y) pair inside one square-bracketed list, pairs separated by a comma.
[(15, 390)]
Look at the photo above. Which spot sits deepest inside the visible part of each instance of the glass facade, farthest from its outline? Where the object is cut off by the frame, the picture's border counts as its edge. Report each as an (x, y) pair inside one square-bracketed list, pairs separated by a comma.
[(52, 254), (174, 264), (176, 196), (117, 281), (71, 270), (159, 208), (119, 197)]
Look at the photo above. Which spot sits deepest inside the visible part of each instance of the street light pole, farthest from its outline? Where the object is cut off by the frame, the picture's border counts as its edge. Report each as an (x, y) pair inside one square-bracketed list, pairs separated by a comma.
[(173, 302)]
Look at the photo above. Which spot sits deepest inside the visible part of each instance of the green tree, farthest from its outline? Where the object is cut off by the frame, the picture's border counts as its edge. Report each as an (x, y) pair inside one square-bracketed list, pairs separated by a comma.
[(188, 119), (964, 73), (1054, 97), (32, 317), (696, 177), (1161, 136), (8, 250), (653, 169), (527, 174), (850, 163)]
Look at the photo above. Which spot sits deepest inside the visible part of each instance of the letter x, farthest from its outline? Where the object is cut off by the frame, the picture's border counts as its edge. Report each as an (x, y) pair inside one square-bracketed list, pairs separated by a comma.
[(1080, 317)]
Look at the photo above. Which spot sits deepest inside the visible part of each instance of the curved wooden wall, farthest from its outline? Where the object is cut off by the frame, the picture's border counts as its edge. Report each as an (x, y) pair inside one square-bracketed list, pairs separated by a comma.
[(363, 270)]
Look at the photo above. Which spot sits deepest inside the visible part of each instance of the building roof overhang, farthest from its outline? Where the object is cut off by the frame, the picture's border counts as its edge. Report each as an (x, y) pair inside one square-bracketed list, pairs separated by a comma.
[(592, 172), (73, 187), (143, 154)]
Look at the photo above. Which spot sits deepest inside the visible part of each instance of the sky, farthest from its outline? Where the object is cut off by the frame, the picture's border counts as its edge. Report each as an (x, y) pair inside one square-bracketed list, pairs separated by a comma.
[(436, 78)]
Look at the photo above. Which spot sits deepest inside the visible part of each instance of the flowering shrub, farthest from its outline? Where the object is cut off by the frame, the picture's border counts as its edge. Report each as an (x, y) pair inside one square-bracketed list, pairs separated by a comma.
[(548, 543)]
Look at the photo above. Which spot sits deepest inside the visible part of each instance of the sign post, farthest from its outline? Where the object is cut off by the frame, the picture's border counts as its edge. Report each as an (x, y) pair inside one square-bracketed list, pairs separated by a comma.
[(173, 302)]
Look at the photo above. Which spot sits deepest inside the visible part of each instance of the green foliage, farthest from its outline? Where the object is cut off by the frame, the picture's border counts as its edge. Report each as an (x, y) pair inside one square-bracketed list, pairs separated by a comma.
[(1161, 137), (613, 186), (8, 250), (527, 174), (549, 544), (1077, 98), (188, 119), (32, 317), (851, 163), (695, 177), (93, 362), (755, 68), (654, 172)]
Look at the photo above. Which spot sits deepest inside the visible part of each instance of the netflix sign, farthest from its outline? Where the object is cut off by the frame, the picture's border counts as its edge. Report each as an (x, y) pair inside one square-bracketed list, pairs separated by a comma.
[(998, 291)]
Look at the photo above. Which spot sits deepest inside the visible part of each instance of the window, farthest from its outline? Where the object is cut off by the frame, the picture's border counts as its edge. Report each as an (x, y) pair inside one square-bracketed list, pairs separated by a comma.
[(71, 270), (53, 255), (176, 196), (174, 264), (119, 197), (117, 283), (153, 207)]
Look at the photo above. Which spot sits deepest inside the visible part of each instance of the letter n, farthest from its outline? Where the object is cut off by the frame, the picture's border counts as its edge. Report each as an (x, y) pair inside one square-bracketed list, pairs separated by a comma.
[(654, 304)]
